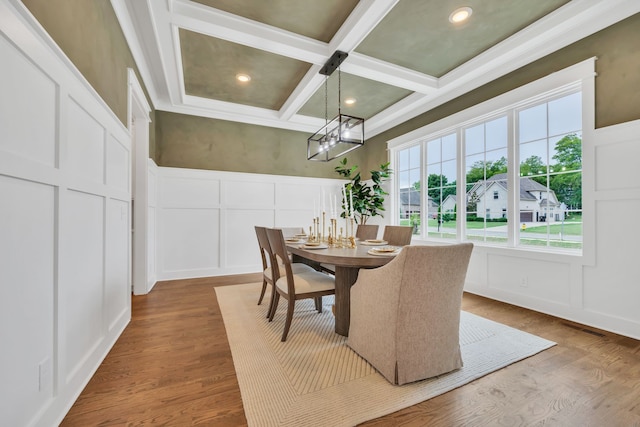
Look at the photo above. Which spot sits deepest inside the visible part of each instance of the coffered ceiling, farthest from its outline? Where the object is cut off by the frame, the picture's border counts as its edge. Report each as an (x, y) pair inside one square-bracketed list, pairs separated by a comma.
[(404, 56)]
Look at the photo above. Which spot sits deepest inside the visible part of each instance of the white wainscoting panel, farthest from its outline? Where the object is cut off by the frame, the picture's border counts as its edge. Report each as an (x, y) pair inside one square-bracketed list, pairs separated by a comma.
[(26, 296), (241, 241), (239, 193), (295, 218), (206, 219), (84, 146), (81, 278), (619, 165), (190, 192), (190, 239), (20, 103), (117, 161), (543, 280), (116, 296), (614, 285), (65, 225)]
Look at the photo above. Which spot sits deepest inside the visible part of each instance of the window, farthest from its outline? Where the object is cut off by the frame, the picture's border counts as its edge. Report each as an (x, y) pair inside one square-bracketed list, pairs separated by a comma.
[(486, 163), (507, 172), (550, 145), (409, 186), (441, 187)]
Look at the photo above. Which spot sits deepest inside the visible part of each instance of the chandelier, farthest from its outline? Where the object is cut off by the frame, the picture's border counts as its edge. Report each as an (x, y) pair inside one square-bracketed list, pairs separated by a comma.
[(343, 133)]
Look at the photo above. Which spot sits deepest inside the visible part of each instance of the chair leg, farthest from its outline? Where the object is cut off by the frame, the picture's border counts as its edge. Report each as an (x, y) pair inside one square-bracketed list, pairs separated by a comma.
[(273, 297), (287, 324), (274, 306), (318, 301), (264, 288)]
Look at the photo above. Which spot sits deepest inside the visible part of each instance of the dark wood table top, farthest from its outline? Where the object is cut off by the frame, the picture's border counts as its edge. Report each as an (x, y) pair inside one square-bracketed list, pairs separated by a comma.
[(344, 257)]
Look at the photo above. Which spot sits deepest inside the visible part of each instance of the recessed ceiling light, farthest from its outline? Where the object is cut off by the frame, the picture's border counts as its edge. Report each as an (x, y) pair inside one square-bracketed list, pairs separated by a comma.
[(459, 15), (243, 78), (350, 101)]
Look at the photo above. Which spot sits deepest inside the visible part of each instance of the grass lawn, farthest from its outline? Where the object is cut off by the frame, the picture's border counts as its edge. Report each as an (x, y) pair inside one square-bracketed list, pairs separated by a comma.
[(570, 228)]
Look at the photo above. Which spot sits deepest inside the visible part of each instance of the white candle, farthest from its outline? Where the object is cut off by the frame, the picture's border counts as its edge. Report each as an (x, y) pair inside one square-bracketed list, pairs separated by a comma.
[(344, 197), (335, 207), (351, 202)]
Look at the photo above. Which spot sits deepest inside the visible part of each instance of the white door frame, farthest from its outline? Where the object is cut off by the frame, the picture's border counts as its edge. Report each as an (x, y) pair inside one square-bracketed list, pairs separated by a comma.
[(139, 128)]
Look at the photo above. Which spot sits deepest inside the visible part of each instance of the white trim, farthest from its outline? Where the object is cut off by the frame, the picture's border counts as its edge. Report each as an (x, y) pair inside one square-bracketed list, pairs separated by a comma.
[(151, 28), (579, 76), (495, 106), (139, 114)]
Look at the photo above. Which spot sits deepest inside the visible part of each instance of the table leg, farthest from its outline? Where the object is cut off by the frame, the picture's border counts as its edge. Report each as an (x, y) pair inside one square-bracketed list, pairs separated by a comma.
[(345, 278)]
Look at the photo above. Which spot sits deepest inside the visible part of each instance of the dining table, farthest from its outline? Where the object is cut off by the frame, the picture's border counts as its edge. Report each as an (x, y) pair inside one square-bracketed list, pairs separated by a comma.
[(347, 262)]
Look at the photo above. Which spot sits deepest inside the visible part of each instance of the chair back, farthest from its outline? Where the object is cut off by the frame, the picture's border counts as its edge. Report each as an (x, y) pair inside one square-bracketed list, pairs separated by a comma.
[(265, 248), (398, 235), (430, 300), (367, 232), (281, 257), (291, 231), (405, 315)]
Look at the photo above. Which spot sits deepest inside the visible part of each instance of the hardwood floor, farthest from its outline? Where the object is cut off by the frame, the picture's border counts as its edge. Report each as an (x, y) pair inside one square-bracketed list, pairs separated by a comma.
[(173, 366)]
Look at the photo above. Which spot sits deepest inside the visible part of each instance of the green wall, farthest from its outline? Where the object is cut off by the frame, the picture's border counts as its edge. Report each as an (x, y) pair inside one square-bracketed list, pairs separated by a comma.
[(89, 34), (185, 141), (617, 84)]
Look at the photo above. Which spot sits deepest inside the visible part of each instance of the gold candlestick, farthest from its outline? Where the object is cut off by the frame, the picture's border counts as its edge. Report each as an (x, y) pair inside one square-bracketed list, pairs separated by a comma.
[(323, 221), (352, 238)]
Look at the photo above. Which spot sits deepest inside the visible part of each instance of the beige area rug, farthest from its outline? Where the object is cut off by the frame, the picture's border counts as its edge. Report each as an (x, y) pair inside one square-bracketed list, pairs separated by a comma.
[(315, 379)]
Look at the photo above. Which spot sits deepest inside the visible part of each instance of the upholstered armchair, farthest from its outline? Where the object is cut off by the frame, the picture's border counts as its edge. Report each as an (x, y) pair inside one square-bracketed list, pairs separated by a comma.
[(405, 316)]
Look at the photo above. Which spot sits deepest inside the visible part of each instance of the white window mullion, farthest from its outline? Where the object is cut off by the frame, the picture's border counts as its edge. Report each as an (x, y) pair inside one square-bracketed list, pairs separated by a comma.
[(461, 187), (513, 181)]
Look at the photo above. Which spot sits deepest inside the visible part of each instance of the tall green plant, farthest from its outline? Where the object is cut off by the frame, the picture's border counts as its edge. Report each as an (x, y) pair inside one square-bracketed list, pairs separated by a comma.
[(368, 200)]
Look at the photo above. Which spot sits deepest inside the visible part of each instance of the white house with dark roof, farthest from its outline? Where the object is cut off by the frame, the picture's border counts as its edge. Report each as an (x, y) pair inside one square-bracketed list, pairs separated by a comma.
[(537, 203)]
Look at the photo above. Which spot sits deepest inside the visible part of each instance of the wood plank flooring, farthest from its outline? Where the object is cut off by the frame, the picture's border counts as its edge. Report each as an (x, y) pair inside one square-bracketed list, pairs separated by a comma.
[(172, 366)]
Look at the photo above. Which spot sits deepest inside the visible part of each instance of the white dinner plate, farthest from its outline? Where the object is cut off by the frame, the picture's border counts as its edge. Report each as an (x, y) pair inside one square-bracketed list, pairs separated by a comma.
[(375, 242), (373, 251), (314, 247)]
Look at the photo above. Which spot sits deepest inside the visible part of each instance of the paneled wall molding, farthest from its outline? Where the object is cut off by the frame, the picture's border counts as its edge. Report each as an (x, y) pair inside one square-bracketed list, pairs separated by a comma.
[(206, 219), (603, 293), (65, 287), (16, 10)]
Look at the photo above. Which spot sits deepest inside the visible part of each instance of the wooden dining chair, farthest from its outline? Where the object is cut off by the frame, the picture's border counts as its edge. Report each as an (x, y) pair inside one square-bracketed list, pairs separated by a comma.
[(397, 235), (367, 232), (267, 257), (268, 260), (294, 286)]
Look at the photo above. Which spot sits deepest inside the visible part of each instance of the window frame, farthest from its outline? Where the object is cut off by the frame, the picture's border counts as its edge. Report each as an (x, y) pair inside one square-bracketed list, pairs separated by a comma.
[(577, 78)]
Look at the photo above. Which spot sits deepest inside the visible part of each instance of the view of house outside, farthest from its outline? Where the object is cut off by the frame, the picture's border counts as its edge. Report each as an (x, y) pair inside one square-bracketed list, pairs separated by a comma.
[(549, 142)]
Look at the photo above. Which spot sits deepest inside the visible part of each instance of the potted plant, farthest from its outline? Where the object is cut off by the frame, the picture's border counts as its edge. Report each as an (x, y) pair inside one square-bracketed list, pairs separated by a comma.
[(368, 199)]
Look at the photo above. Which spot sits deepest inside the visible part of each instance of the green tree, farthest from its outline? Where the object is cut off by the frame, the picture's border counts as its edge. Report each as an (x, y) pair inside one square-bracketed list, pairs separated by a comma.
[(564, 182), (568, 153), (472, 206), (482, 170), (434, 185), (534, 165)]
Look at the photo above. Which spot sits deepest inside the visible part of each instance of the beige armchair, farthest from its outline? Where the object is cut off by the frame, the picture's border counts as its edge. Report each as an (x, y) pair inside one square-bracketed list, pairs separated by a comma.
[(405, 316)]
